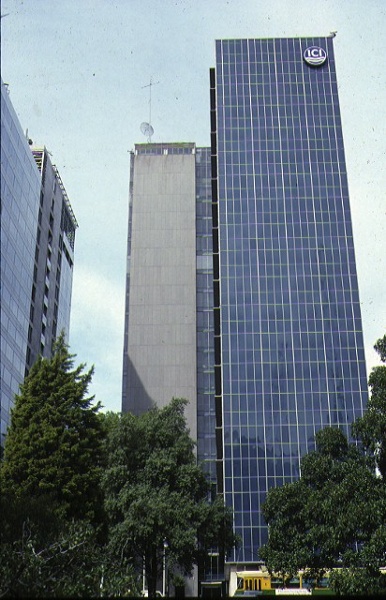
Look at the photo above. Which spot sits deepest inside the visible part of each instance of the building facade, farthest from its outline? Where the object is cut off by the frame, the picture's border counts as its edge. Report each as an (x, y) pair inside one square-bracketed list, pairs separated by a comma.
[(241, 260), (289, 356), (160, 339), (54, 261), (20, 191), (37, 245), (169, 320)]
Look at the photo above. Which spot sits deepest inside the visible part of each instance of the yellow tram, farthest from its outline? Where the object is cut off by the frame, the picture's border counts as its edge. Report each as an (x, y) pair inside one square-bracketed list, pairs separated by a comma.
[(250, 583)]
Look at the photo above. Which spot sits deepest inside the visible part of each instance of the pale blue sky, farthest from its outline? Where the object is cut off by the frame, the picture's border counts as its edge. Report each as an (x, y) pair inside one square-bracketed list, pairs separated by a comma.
[(76, 71)]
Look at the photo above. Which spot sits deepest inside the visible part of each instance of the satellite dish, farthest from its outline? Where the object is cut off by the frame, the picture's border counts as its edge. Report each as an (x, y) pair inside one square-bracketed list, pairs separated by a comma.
[(147, 130)]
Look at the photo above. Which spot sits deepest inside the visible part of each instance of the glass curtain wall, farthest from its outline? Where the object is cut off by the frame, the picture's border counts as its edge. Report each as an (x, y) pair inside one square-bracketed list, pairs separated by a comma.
[(292, 356)]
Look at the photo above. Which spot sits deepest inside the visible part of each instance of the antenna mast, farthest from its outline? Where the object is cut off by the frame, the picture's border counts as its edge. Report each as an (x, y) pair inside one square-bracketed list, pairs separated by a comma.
[(150, 85)]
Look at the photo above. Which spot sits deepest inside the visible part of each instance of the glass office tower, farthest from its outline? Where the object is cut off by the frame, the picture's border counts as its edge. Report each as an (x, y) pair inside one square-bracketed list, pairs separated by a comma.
[(20, 190), (289, 356), (37, 256)]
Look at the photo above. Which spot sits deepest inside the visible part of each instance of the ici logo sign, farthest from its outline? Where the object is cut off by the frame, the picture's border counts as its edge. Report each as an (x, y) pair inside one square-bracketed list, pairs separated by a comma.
[(315, 56)]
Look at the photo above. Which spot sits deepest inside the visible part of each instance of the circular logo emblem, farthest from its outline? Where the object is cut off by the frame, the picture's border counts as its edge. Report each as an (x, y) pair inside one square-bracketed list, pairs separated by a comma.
[(315, 56)]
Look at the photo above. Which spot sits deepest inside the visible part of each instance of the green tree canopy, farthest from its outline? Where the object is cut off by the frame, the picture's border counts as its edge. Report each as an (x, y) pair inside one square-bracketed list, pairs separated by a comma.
[(371, 428), (333, 516), (156, 495), (53, 447), (67, 563), (51, 509)]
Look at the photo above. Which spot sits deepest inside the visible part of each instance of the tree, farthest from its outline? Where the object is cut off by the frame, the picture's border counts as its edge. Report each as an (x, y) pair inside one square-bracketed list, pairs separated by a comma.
[(66, 564), (333, 516), (53, 447), (157, 496), (371, 428), (44, 555), (51, 502), (284, 512), (336, 513)]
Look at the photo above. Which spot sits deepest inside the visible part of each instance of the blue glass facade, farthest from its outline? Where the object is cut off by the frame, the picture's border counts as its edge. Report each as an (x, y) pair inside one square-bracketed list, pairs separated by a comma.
[(289, 351), (37, 254), (20, 189)]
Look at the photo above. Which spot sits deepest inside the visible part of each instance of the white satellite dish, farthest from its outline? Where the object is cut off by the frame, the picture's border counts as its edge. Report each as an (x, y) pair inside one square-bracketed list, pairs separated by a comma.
[(147, 130)]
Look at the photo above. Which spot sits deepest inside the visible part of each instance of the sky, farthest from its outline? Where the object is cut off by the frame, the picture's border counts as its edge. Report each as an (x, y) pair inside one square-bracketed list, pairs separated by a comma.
[(78, 73)]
